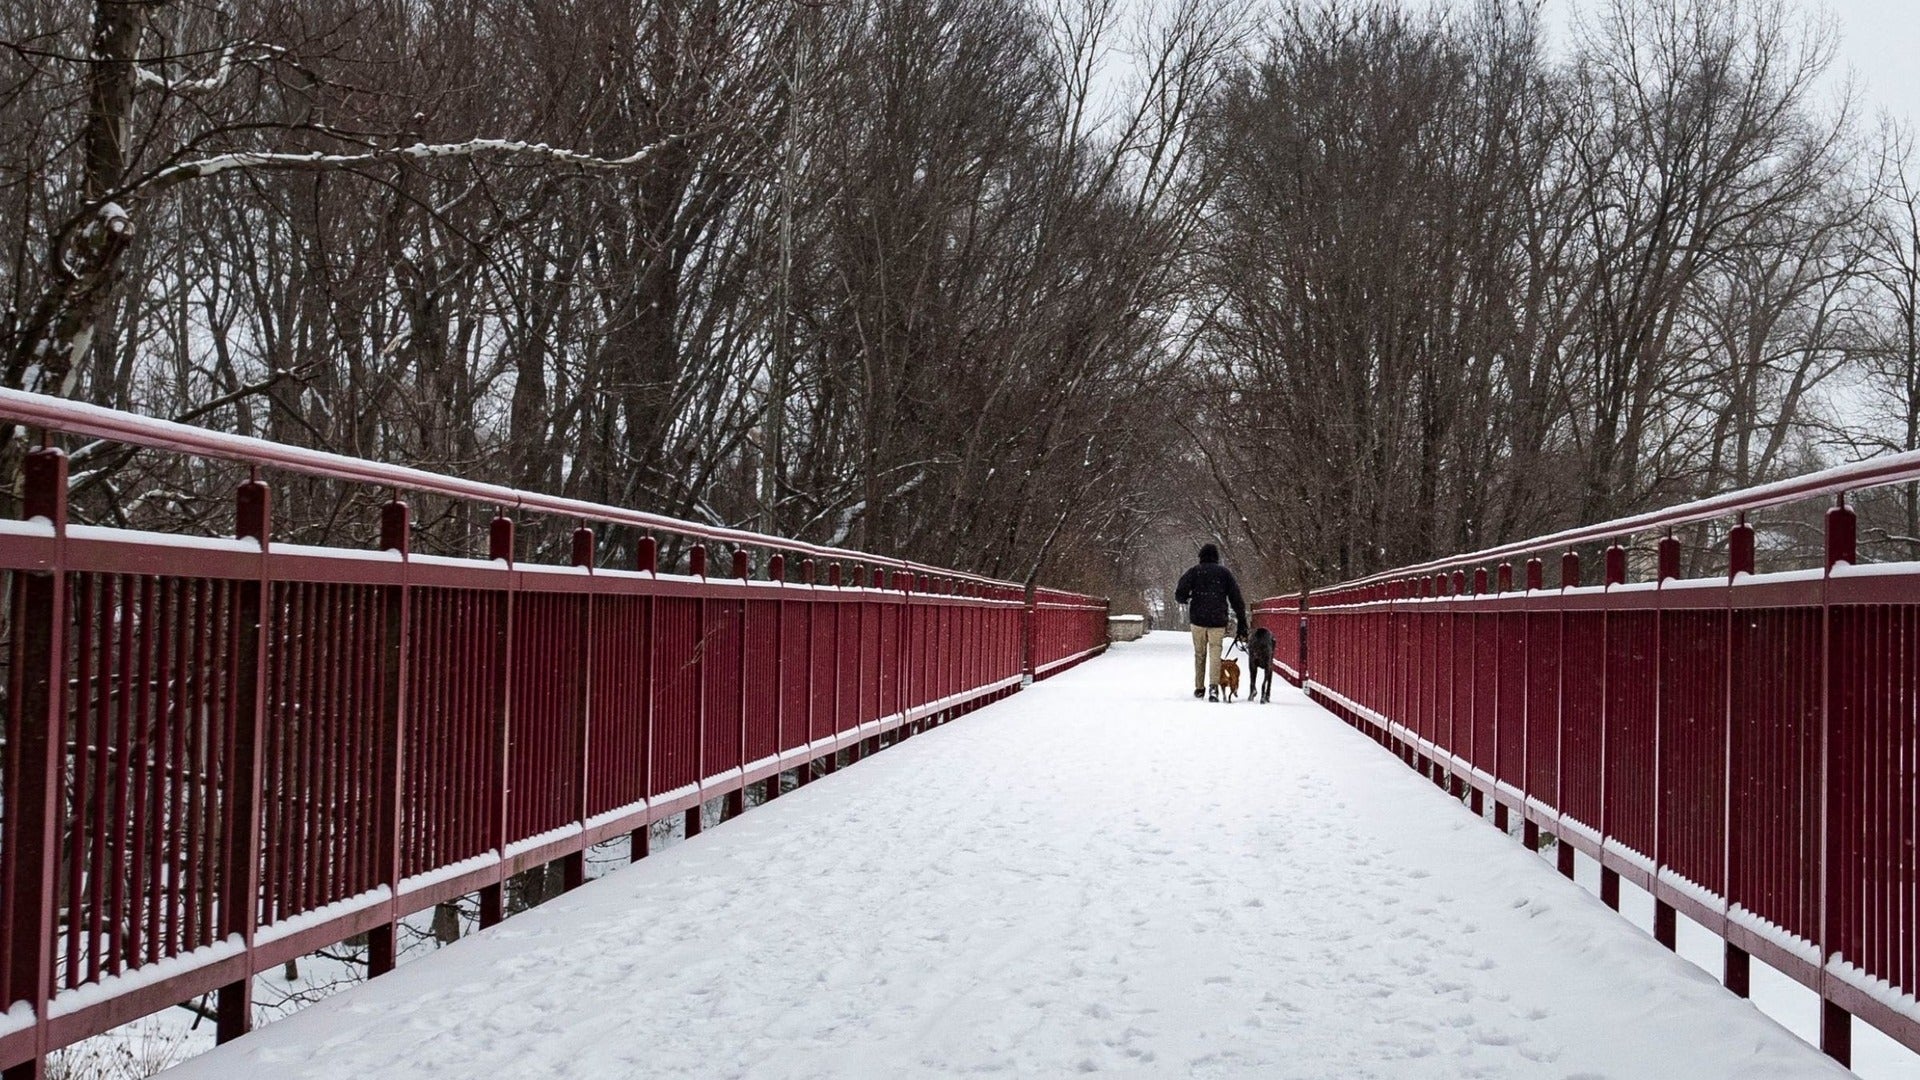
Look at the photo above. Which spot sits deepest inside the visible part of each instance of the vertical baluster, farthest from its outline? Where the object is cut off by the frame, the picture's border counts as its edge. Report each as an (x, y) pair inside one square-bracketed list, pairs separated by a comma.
[(1665, 923), (573, 867), (804, 774), (1616, 574), (240, 870), (96, 648), (736, 800), (500, 547), (646, 560), (389, 745), (1736, 965), (36, 746), (1530, 827), (697, 566), (777, 573), (839, 644), (1839, 860), (1563, 851), (1503, 583)]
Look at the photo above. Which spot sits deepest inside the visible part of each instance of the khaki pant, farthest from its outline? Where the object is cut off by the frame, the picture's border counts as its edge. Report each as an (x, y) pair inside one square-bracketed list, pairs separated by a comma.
[(1207, 641)]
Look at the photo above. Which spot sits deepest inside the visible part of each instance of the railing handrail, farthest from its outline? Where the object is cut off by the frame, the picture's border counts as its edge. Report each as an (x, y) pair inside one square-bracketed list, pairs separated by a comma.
[(1854, 476), (79, 418)]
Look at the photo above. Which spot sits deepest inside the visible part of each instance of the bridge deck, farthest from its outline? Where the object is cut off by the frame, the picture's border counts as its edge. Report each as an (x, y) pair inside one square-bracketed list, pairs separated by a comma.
[(1096, 875)]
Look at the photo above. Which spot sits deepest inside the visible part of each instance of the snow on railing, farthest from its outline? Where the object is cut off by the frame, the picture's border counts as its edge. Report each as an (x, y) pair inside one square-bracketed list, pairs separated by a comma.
[(225, 753)]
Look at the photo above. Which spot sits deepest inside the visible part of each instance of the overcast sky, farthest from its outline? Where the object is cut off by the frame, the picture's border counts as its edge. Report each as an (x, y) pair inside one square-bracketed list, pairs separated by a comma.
[(1880, 42), (1879, 45)]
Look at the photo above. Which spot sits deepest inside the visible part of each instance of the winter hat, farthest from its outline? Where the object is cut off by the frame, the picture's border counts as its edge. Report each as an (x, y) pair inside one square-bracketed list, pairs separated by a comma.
[(1209, 553)]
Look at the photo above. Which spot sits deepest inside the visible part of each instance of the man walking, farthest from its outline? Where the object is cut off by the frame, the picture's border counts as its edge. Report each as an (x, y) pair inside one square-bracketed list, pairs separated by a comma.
[(1209, 591)]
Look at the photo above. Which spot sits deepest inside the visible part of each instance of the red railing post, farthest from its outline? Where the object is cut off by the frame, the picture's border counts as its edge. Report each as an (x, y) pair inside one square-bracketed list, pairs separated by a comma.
[(1503, 583), (777, 572), (573, 867), (1616, 574), (500, 547), (1029, 615), (1837, 854), (1300, 670), (1455, 587), (903, 680), (240, 876), (808, 575), (839, 614), (1476, 798), (646, 560), (1563, 851), (874, 608), (1736, 965), (735, 803), (36, 748), (396, 535), (1665, 922), (697, 567), (858, 581), (1616, 568), (1529, 828)]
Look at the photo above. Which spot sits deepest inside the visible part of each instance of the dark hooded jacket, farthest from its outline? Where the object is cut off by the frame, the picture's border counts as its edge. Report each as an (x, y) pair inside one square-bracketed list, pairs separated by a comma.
[(1211, 593)]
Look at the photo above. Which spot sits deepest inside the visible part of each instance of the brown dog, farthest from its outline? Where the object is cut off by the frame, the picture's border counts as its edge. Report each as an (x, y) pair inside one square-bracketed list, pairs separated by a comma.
[(1230, 677)]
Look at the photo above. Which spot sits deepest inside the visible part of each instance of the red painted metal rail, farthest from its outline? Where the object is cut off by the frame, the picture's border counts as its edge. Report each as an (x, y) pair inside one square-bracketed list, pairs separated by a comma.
[(1067, 629), (1746, 748), (222, 754)]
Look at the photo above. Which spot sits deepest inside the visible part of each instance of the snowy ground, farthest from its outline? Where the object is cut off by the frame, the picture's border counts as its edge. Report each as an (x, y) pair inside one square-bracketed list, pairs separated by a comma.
[(1098, 875)]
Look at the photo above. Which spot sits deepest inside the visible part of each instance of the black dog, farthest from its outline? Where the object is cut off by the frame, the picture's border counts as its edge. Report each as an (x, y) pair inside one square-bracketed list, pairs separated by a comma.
[(1260, 663)]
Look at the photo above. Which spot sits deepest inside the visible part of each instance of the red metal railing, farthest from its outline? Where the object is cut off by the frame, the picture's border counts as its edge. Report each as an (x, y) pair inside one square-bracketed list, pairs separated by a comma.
[(222, 754), (1065, 629), (1746, 748)]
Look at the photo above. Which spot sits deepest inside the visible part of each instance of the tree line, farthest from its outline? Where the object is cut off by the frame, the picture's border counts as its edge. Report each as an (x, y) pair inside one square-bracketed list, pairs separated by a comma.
[(1471, 284), (1030, 287), (893, 275)]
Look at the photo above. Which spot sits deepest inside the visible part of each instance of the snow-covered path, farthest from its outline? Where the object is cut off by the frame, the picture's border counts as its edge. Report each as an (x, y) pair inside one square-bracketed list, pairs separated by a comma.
[(1098, 875)]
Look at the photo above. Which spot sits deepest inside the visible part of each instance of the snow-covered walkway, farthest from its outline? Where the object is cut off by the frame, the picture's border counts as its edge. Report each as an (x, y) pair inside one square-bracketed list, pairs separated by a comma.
[(1098, 875)]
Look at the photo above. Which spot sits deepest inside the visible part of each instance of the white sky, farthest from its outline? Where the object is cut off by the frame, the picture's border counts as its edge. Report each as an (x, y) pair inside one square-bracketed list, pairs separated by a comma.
[(1880, 44), (1878, 47)]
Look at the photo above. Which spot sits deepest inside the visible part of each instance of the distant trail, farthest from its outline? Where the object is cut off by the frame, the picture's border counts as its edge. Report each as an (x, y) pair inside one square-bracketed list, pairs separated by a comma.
[(1098, 875)]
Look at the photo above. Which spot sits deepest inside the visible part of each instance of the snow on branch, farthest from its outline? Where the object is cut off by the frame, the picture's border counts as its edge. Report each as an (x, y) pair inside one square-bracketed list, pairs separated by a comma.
[(264, 161), (247, 52)]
